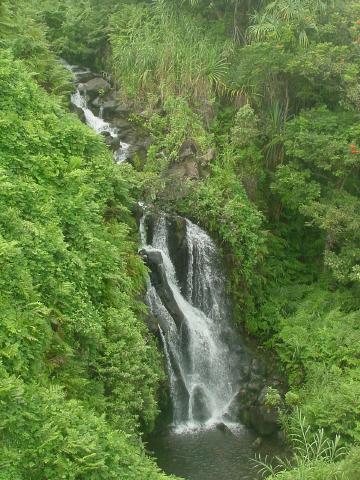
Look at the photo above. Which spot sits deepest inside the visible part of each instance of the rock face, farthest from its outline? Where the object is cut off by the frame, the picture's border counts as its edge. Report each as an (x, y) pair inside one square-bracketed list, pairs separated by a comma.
[(264, 418), (154, 261), (208, 157), (188, 150), (185, 170), (253, 409), (104, 102)]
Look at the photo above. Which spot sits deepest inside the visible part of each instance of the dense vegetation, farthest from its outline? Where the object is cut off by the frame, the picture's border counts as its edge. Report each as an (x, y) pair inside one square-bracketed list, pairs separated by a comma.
[(79, 373), (273, 88)]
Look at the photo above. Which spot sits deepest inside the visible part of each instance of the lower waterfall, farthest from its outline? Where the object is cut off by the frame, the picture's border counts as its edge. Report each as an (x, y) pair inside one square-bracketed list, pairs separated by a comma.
[(192, 309)]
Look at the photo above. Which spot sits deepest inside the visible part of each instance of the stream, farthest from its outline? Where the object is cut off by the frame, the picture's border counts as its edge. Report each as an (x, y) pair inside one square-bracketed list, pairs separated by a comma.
[(210, 368)]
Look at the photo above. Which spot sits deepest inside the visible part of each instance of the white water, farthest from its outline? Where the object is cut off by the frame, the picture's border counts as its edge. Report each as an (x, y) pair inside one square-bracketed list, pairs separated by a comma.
[(78, 98), (201, 375)]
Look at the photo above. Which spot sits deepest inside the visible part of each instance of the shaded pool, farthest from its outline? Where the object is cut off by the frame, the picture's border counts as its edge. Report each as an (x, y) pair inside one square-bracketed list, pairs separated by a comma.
[(211, 454)]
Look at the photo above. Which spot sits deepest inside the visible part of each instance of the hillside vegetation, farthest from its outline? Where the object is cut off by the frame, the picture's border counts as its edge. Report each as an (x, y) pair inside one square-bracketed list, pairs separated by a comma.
[(268, 93), (79, 372)]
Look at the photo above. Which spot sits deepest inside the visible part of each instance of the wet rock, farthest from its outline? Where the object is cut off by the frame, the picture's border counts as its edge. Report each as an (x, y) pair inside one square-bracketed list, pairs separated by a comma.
[(137, 152), (152, 323), (154, 260), (245, 372), (200, 409), (264, 420), (95, 85), (258, 372), (79, 112), (149, 225), (255, 384), (178, 248), (124, 108), (223, 428), (112, 142), (254, 411), (108, 102), (258, 367), (82, 74), (121, 123), (139, 147)]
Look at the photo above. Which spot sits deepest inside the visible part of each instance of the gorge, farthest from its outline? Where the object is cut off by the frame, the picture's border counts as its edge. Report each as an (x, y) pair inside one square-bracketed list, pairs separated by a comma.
[(217, 383)]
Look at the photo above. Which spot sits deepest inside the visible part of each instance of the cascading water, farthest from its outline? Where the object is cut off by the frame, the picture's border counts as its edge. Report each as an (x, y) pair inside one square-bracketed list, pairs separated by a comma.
[(193, 317), (208, 364), (97, 123)]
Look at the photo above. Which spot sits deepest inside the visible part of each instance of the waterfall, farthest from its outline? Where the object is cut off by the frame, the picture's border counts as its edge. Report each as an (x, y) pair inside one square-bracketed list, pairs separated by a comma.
[(186, 294), (97, 123), (193, 314)]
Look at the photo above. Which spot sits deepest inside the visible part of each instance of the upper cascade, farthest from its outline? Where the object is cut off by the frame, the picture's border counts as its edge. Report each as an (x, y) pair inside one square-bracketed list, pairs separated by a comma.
[(97, 123)]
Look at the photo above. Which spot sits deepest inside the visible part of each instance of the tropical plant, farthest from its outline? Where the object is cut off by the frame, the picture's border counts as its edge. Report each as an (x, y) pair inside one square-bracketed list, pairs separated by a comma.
[(308, 449)]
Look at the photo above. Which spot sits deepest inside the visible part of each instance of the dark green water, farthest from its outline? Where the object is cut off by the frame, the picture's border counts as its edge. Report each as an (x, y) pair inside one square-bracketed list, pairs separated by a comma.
[(212, 454)]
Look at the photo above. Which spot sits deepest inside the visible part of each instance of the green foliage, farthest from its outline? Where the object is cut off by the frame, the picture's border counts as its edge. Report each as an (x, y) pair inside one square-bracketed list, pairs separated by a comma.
[(318, 345), (44, 434), (312, 453), (78, 30), (26, 37), (273, 85), (320, 180), (347, 469), (170, 130), (78, 370), (272, 397), (161, 50)]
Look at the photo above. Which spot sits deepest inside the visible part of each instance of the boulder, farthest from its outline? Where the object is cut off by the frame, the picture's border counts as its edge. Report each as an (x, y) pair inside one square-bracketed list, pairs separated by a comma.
[(121, 123), (124, 108), (112, 142), (253, 410), (95, 84), (79, 112), (264, 420), (108, 102), (223, 428), (82, 74)]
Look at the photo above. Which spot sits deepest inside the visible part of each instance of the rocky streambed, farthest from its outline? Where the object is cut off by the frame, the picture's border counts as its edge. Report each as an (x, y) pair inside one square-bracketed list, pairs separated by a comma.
[(96, 102)]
